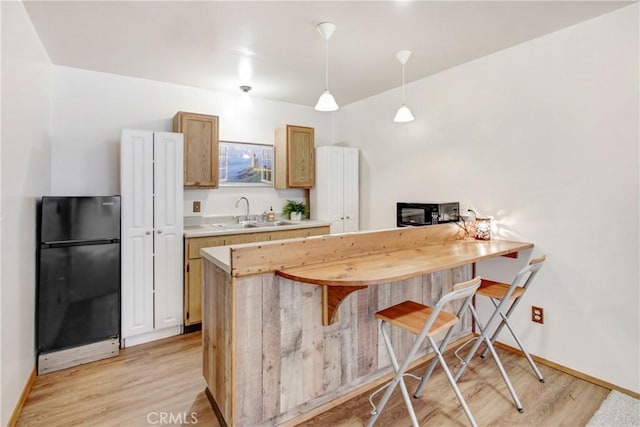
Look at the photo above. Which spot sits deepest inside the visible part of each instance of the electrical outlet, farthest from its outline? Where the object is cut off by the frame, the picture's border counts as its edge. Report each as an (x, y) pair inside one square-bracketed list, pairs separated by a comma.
[(196, 206), (537, 314)]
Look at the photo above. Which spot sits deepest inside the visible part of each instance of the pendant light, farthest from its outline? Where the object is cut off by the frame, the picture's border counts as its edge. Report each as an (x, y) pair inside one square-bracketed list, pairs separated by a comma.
[(326, 101), (404, 114)]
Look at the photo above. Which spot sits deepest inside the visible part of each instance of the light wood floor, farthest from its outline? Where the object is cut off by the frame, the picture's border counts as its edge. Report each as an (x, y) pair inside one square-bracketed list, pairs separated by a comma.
[(137, 387)]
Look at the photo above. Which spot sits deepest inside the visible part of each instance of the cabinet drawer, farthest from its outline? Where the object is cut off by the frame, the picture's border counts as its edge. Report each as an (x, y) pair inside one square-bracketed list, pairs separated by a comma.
[(194, 244), (237, 239), (287, 234), (304, 232), (318, 231)]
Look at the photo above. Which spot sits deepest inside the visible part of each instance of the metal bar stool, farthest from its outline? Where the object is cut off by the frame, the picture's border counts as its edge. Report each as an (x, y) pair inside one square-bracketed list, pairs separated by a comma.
[(425, 322), (483, 337), (525, 275), (497, 291)]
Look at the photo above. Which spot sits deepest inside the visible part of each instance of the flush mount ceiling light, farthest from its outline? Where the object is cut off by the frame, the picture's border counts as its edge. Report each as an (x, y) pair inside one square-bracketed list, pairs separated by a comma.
[(404, 114), (326, 101), (246, 99)]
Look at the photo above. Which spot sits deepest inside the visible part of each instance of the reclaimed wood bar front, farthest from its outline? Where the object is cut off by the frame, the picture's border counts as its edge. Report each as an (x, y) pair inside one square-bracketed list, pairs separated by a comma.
[(282, 338)]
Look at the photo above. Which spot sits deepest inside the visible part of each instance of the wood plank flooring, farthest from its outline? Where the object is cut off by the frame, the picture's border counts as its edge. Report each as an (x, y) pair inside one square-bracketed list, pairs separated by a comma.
[(164, 379), (132, 389)]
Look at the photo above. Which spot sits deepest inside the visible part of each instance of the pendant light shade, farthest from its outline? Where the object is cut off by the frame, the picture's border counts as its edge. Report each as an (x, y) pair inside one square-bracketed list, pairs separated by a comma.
[(326, 102), (404, 114)]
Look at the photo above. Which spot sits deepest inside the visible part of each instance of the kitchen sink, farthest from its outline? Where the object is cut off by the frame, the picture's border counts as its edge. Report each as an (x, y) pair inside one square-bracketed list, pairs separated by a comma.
[(232, 226), (270, 224), (243, 225)]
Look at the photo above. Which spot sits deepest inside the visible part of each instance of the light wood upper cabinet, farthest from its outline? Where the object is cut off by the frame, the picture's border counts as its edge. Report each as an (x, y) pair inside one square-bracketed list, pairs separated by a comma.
[(200, 148), (295, 159)]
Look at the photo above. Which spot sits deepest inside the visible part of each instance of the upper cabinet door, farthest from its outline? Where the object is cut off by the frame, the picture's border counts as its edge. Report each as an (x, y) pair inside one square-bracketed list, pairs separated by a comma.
[(300, 162), (295, 158), (200, 148)]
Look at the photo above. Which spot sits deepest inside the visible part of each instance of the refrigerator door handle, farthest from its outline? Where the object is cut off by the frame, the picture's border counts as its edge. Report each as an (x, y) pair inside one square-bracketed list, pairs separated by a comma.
[(64, 244)]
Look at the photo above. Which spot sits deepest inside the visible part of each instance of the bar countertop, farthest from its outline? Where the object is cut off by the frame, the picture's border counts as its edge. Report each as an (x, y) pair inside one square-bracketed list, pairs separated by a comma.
[(401, 264)]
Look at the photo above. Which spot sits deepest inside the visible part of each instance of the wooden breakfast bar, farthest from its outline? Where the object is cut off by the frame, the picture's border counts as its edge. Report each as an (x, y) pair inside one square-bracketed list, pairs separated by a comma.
[(289, 328)]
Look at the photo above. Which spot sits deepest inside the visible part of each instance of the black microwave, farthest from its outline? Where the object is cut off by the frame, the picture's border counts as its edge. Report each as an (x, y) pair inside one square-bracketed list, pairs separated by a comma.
[(417, 214)]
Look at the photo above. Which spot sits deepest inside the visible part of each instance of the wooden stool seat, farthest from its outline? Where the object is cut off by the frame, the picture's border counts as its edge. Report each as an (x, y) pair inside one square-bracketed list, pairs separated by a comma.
[(497, 290), (425, 322), (411, 316)]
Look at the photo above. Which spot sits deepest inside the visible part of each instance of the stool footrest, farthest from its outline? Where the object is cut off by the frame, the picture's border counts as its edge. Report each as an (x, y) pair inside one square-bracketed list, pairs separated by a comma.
[(374, 411)]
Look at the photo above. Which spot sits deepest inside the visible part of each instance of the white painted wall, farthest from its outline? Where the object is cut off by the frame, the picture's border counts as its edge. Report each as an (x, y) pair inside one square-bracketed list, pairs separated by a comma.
[(91, 108), (26, 107), (543, 136)]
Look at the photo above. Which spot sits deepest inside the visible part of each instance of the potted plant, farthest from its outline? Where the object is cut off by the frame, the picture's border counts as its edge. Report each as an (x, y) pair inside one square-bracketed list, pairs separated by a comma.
[(295, 210)]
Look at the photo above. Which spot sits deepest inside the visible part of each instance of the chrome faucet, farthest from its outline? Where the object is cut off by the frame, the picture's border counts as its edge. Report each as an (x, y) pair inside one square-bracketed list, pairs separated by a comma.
[(246, 200)]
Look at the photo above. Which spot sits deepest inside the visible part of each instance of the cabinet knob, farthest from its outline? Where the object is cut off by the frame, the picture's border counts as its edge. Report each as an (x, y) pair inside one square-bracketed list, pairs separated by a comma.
[(147, 233), (347, 217), (159, 231), (341, 217)]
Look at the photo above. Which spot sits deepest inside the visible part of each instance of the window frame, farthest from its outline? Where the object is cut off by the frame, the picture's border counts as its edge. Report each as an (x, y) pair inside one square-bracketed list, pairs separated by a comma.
[(228, 149)]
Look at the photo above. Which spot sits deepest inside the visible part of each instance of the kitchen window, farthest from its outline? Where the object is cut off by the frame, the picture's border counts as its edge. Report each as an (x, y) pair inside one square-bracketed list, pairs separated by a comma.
[(245, 164)]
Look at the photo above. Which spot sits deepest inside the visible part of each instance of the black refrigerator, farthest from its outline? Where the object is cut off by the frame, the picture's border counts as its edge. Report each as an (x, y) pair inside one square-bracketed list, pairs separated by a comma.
[(78, 280)]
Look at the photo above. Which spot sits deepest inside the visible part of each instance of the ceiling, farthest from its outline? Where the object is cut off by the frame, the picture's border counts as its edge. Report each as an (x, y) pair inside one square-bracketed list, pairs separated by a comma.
[(275, 47)]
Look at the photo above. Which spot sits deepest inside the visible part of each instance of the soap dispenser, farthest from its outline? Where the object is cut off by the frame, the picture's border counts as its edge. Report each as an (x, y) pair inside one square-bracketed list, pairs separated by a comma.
[(271, 215)]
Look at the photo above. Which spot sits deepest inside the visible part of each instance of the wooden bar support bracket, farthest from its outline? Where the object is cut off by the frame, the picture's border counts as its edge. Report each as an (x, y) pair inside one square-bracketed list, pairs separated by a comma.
[(511, 255), (332, 297)]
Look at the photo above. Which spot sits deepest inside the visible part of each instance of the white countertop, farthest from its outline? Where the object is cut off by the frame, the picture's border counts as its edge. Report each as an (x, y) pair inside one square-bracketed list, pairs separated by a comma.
[(205, 230), (219, 256)]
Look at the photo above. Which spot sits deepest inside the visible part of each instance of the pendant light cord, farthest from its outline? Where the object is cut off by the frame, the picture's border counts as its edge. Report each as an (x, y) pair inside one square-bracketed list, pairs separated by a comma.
[(402, 84), (326, 67)]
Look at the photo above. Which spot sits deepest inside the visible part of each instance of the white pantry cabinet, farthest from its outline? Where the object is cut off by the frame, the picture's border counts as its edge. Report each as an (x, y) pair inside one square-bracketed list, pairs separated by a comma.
[(335, 196), (151, 195)]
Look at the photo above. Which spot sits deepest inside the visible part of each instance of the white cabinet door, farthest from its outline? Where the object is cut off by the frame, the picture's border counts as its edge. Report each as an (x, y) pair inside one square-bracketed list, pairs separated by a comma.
[(168, 188), (350, 189), (335, 190), (335, 196), (136, 188)]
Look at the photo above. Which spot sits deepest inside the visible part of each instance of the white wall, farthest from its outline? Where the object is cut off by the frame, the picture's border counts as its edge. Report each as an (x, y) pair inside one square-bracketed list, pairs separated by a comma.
[(543, 136), (91, 108), (26, 99)]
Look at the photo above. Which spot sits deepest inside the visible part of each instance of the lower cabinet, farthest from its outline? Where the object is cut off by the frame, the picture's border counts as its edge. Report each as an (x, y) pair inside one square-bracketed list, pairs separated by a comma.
[(193, 261)]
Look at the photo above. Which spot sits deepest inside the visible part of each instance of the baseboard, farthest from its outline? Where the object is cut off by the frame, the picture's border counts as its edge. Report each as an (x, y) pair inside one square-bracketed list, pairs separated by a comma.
[(154, 335), (23, 398), (570, 371)]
